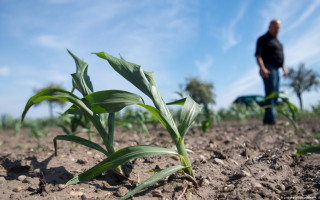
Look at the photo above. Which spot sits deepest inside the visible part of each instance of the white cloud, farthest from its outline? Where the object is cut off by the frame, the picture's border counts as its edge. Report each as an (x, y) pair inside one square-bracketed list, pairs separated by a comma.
[(30, 83), (304, 48), (305, 15), (300, 45), (228, 33), (4, 71), (57, 77), (282, 10), (51, 41), (204, 66), (248, 80)]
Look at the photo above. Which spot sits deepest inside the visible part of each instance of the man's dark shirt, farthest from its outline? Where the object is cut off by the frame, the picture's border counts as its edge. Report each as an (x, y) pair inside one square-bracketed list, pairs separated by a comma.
[(271, 50)]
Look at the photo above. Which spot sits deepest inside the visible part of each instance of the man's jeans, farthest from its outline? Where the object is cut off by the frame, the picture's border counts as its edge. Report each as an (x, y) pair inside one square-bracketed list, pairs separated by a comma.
[(271, 84)]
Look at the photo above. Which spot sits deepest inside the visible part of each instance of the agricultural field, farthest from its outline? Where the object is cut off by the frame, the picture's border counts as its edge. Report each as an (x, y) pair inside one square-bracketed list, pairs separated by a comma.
[(100, 148), (235, 159)]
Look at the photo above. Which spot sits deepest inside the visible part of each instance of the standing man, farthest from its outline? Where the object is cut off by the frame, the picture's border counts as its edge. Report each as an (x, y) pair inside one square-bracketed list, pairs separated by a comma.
[(270, 58)]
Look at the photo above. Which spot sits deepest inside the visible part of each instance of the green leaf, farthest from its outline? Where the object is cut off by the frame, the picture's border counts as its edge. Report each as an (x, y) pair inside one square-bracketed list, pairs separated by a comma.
[(159, 116), (64, 129), (80, 79), (189, 112), (119, 157), (158, 176), (132, 72), (112, 100), (68, 96), (178, 102), (53, 94), (145, 82), (310, 149), (78, 140), (74, 110)]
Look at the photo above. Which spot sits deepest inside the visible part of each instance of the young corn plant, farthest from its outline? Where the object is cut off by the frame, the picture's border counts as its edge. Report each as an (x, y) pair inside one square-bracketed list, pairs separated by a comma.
[(81, 82), (285, 107), (110, 101), (145, 82), (308, 148)]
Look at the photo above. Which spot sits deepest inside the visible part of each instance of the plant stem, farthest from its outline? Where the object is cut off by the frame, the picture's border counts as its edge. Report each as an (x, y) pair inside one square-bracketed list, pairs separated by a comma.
[(90, 132), (111, 130), (97, 123), (174, 133), (186, 161)]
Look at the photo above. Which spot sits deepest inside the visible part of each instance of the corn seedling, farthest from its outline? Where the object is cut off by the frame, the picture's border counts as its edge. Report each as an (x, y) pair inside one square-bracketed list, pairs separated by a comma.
[(145, 82), (81, 82), (285, 107), (110, 101), (308, 148)]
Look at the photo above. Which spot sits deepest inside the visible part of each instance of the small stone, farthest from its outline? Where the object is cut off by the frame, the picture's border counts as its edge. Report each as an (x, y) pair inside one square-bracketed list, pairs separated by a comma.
[(22, 177), (2, 180), (84, 197), (37, 171), (17, 189), (256, 185), (121, 192), (225, 189), (246, 173), (82, 161), (97, 156), (89, 152), (159, 167), (212, 146), (206, 182), (282, 187), (31, 189), (202, 158), (157, 193), (28, 162), (218, 161), (76, 193), (27, 180), (237, 175), (107, 193), (61, 186)]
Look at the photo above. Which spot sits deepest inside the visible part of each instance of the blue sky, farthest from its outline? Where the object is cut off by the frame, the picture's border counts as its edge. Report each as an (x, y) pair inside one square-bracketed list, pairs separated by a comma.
[(211, 39)]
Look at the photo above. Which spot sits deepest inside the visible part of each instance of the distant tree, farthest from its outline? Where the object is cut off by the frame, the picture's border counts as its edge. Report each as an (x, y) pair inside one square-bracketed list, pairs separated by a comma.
[(51, 102), (302, 80), (201, 92)]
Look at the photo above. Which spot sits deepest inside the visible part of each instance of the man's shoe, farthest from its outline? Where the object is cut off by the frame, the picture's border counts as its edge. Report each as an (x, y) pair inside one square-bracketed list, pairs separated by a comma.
[(269, 123)]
